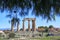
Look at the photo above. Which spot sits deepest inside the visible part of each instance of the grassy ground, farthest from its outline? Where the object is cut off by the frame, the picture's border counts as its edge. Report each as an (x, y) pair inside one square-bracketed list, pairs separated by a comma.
[(1, 39), (47, 38), (41, 38)]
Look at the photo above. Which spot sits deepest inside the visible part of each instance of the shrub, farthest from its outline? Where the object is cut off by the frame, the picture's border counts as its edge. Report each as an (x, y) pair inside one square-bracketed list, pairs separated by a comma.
[(11, 35), (2, 35), (49, 35)]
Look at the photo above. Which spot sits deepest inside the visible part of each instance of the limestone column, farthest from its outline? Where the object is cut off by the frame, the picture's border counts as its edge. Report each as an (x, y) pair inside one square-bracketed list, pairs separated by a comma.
[(28, 25), (12, 26), (23, 26), (18, 27), (33, 25)]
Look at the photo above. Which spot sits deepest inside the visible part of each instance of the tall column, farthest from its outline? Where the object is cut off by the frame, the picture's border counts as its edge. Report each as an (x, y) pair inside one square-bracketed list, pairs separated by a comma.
[(28, 25), (18, 27), (33, 25), (12, 26), (23, 26)]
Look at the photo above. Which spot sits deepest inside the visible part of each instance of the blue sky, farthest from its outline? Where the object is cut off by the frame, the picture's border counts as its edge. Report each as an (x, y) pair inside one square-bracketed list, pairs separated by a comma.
[(4, 21)]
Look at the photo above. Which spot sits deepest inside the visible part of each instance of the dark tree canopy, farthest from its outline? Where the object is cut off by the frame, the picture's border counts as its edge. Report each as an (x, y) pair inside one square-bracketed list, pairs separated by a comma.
[(40, 7), (51, 26)]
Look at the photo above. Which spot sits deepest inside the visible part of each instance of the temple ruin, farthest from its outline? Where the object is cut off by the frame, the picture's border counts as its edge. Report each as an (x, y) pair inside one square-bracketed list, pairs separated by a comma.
[(12, 26), (25, 19), (33, 23)]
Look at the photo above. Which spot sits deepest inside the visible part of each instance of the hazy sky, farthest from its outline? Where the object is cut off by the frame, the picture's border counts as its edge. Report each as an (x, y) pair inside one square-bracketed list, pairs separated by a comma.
[(4, 21)]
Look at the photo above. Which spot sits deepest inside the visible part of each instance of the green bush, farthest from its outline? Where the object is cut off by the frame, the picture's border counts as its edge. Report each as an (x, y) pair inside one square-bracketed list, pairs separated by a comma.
[(11, 35), (0, 34)]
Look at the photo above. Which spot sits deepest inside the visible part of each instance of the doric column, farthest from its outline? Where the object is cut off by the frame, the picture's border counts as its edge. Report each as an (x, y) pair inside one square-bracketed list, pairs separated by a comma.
[(33, 25), (23, 26), (18, 27), (28, 25), (12, 26)]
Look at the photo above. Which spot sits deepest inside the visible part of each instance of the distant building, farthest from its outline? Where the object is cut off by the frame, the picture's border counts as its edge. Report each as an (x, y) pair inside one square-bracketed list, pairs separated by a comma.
[(57, 29), (53, 29)]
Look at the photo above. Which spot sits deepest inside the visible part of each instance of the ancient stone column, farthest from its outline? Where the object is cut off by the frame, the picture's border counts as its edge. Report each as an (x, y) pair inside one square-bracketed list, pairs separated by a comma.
[(33, 25), (12, 26), (23, 26), (18, 27), (28, 25)]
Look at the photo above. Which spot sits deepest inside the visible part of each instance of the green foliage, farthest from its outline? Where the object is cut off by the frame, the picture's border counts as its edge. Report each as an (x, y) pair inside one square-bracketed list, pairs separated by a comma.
[(11, 35), (41, 27), (21, 29), (44, 27), (51, 26), (26, 29), (0, 34), (40, 7)]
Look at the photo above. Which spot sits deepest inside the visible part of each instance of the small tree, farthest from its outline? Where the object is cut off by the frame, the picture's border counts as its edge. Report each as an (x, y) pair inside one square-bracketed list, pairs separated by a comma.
[(27, 29), (51, 26), (46, 29), (21, 29), (41, 29)]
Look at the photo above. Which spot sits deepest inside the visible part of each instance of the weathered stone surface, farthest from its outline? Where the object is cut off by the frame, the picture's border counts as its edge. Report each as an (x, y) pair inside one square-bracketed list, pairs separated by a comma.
[(23, 26), (18, 27), (28, 25), (33, 23)]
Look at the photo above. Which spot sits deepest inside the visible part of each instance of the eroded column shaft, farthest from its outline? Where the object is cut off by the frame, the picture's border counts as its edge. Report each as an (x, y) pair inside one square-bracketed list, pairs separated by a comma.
[(33, 25), (12, 26), (18, 27), (28, 25), (23, 26)]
